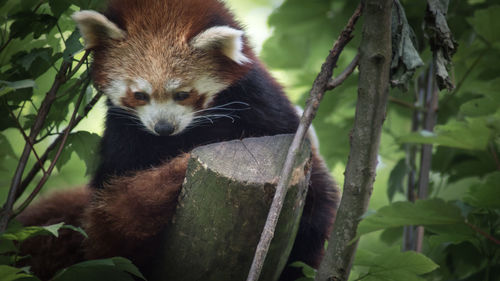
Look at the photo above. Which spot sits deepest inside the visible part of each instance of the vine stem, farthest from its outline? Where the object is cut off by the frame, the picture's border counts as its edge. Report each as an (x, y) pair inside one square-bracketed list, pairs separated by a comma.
[(322, 83)]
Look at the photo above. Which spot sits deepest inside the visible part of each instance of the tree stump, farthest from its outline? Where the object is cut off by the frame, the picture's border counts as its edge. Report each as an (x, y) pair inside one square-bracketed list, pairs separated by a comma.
[(223, 207)]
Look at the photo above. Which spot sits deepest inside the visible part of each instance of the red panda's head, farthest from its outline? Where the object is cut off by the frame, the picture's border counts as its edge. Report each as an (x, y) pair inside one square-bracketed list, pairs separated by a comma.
[(164, 61)]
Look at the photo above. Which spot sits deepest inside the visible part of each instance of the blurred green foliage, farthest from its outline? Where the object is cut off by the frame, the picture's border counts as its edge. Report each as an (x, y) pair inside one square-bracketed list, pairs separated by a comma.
[(462, 216)]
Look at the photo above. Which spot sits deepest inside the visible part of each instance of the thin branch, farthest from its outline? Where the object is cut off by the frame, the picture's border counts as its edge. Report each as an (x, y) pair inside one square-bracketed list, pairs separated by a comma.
[(26, 138), (36, 167), (80, 63), (71, 88), (5, 44), (483, 233), (61, 33), (406, 104), (373, 92), (335, 82), (6, 212), (316, 94), (46, 175)]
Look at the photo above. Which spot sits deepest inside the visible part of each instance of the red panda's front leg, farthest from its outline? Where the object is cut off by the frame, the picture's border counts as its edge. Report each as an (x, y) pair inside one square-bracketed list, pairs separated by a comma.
[(126, 216)]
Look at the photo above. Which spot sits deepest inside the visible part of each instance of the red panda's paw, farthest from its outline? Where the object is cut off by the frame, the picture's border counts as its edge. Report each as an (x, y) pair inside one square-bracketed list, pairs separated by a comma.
[(134, 208)]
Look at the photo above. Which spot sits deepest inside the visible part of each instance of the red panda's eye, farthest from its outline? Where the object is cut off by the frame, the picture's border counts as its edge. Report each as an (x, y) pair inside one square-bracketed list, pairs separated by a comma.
[(181, 96), (141, 96)]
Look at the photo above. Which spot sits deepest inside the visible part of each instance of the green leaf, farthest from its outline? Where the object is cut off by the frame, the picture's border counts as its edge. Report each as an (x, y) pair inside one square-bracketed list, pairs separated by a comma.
[(7, 246), (6, 148), (73, 45), (275, 58), (86, 146), (394, 265), (16, 232), (36, 62), (422, 212), (484, 21), (116, 268), (480, 106), (77, 229), (307, 270), (9, 273), (470, 134), (7, 86), (450, 234), (59, 6), (28, 22), (396, 179), (486, 194), (31, 231)]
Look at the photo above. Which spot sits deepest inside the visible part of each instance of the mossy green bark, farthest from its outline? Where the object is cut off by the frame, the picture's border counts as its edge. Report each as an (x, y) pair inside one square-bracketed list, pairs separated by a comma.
[(223, 208)]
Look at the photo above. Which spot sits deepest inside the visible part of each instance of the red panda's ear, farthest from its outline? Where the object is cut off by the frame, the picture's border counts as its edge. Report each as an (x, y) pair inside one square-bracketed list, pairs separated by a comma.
[(95, 28), (228, 40)]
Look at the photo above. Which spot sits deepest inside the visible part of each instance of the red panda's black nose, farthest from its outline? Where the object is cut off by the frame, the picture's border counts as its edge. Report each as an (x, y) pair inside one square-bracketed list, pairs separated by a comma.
[(164, 128)]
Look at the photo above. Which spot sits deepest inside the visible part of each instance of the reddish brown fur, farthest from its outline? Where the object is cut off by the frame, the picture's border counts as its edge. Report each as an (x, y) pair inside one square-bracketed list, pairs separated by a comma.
[(150, 197), (49, 253), (194, 100), (129, 100), (167, 27)]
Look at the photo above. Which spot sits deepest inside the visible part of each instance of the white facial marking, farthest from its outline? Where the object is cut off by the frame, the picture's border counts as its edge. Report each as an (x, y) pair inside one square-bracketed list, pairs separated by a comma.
[(116, 90), (228, 39), (141, 85), (209, 87), (177, 115), (173, 84)]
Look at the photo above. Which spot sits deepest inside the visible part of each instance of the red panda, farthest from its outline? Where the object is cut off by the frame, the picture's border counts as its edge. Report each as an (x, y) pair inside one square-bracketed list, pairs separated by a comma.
[(177, 74)]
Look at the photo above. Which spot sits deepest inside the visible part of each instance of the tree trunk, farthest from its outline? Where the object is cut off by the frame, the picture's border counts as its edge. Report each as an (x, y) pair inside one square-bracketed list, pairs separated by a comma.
[(374, 65), (223, 207)]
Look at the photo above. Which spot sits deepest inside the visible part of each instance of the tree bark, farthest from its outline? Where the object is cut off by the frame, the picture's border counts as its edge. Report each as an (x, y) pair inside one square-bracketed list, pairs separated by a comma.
[(374, 65), (223, 207)]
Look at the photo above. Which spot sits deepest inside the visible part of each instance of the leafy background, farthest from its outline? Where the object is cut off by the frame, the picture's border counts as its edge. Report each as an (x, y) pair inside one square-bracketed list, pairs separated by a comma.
[(461, 216)]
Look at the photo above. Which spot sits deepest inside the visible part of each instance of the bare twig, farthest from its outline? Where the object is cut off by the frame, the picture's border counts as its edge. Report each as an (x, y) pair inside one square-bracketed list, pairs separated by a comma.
[(373, 91), (46, 175), (36, 167), (483, 233), (79, 64), (319, 88), (50, 97), (406, 104), (335, 82), (26, 138)]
